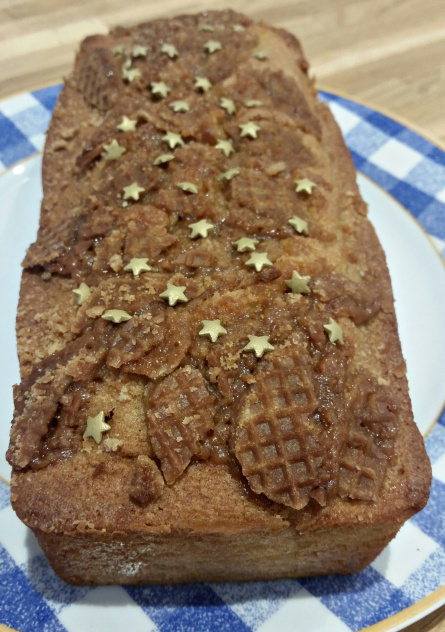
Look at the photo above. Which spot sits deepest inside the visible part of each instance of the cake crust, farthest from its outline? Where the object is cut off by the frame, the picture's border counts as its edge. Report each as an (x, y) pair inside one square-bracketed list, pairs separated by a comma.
[(280, 442)]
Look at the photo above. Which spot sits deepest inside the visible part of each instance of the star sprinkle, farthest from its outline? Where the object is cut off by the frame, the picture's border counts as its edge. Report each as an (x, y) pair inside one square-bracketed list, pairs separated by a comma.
[(228, 105), (130, 74), (213, 329), (132, 191), (116, 315), (304, 185), (82, 292), (179, 106), (173, 139), (170, 50), (298, 284), (259, 260), (226, 147), (335, 331), (261, 55), (238, 28), (163, 158), (229, 174), (259, 345), (253, 103), (299, 224), (114, 150), (139, 51), (212, 46), (202, 83), (245, 243), (159, 88), (118, 50), (96, 426), (137, 266), (127, 124), (174, 293), (249, 129), (205, 27), (200, 229), (189, 187)]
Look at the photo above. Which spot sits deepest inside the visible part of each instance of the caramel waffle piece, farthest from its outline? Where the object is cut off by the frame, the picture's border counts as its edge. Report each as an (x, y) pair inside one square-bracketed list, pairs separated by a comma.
[(180, 413)]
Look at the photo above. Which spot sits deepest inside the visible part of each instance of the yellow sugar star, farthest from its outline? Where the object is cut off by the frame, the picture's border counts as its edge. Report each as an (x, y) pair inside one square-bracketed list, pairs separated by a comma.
[(259, 345), (212, 46), (163, 158), (253, 103), (304, 185), (127, 124), (245, 243), (249, 129), (137, 266), (116, 315), (202, 83), (179, 106), (159, 88), (132, 191), (259, 260), (298, 284), (228, 105), (335, 331), (96, 426), (299, 224), (205, 27), (114, 150), (139, 51), (213, 329), (238, 28), (118, 50), (225, 146), (82, 292), (174, 293), (200, 229), (229, 174), (130, 74), (261, 55), (189, 187), (170, 50), (173, 139)]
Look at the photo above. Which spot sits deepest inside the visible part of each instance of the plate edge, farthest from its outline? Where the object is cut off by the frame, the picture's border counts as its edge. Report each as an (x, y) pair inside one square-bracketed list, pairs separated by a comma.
[(399, 118), (421, 608)]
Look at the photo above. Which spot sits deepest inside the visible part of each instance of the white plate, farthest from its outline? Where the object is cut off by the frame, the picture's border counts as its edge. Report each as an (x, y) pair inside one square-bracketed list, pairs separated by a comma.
[(418, 276)]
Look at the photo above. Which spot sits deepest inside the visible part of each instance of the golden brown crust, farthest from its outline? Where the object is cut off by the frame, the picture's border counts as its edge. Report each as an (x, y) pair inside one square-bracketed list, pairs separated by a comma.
[(312, 447)]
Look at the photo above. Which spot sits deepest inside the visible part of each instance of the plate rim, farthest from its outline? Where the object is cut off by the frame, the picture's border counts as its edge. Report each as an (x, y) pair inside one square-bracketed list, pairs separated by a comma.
[(423, 607), (436, 599), (399, 118)]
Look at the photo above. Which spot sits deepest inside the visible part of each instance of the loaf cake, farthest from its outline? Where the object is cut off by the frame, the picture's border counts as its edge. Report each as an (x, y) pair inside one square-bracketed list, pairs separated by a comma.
[(212, 380)]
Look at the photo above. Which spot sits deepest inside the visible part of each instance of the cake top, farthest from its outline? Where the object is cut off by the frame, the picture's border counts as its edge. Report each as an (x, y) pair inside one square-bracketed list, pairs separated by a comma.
[(217, 267)]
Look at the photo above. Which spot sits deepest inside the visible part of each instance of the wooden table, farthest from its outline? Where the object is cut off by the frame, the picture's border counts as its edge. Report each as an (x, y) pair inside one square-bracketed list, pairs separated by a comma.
[(389, 54)]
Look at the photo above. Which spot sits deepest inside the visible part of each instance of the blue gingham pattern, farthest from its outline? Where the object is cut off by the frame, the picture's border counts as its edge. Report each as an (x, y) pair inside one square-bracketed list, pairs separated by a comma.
[(32, 598)]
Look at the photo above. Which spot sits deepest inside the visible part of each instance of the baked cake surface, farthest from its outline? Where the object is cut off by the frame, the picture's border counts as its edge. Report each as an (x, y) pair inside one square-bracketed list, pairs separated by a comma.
[(212, 381)]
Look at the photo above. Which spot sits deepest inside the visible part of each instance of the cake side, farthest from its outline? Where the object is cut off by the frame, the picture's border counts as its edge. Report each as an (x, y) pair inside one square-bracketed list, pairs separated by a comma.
[(185, 558), (345, 465)]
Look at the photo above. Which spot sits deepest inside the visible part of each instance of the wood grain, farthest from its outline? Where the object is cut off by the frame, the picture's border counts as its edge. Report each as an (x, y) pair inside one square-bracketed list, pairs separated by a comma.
[(388, 53), (435, 622)]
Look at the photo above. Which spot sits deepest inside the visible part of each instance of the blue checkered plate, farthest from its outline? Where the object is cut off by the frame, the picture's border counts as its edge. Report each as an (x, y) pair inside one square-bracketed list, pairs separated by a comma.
[(403, 180)]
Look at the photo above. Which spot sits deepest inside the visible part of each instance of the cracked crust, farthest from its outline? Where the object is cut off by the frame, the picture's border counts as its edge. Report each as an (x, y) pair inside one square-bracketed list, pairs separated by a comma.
[(311, 448)]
